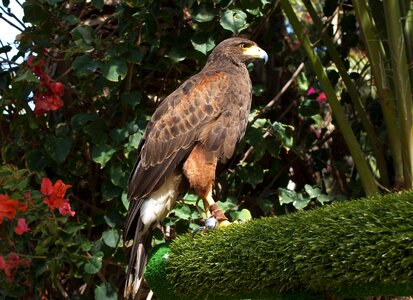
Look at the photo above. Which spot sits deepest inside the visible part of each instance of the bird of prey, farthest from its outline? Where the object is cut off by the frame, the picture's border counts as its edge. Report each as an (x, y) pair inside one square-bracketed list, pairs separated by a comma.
[(193, 129)]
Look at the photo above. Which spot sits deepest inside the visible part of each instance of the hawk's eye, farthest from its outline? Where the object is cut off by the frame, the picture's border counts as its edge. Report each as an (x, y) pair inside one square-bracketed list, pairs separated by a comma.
[(243, 46)]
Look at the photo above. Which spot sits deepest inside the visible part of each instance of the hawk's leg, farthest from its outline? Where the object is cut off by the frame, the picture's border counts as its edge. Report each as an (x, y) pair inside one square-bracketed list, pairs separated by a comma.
[(212, 207), (199, 169)]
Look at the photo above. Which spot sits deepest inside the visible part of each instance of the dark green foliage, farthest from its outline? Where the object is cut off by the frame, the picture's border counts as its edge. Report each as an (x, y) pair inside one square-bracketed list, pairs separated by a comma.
[(117, 62), (359, 248)]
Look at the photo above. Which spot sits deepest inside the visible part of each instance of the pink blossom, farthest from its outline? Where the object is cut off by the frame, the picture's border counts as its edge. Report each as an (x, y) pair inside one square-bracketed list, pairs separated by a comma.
[(21, 227), (65, 209)]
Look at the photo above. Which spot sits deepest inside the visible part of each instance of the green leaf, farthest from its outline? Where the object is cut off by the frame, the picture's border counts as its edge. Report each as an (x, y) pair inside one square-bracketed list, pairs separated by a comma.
[(309, 108), (94, 264), (297, 199), (286, 196), (105, 291), (300, 201), (84, 65), (234, 20), (203, 13), (111, 237), (312, 192), (255, 137), (323, 198), (112, 218), (203, 43), (5, 49), (191, 198), (133, 143), (182, 211), (177, 54), (283, 133), (58, 148), (115, 69), (109, 191), (6, 3), (73, 228), (125, 201), (97, 131), (118, 176), (132, 99), (243, 215), (98, 4), (265, 204), (251, 173), (34, 12), (102, 154), (79, 120), (83, 36), (28, 76), (118, 135), (35, 160), (230, 204)]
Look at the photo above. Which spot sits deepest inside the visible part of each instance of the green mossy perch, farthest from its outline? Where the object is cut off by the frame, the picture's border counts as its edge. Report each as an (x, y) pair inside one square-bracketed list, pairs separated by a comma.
[(350, 249)]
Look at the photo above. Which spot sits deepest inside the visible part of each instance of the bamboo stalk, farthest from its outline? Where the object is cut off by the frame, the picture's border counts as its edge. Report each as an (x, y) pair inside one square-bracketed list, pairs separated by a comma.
[(355, 97), (366, 176), (377, 58), (407, 15), (401, 82)]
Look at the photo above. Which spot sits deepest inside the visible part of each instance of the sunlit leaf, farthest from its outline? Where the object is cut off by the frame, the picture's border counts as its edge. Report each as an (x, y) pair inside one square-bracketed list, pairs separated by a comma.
[(203, 13), (102, 154), (182, 212), (28, 76), (105, 291), (115, 69), (94, 264), (312, 192), (286, 196), (243, 214), (203, 43), (111, 237), (234, 20), (323, 198), (177, 54)]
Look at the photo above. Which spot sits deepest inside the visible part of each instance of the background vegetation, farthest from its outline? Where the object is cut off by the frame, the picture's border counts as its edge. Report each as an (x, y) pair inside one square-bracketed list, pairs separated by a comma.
[(93, 72)]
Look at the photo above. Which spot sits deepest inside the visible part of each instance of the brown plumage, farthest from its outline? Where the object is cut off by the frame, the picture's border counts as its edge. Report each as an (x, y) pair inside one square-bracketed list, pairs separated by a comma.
[(193, 129)]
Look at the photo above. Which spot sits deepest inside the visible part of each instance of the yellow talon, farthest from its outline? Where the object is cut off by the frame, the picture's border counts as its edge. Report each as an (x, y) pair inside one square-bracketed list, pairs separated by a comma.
[(224, 223)]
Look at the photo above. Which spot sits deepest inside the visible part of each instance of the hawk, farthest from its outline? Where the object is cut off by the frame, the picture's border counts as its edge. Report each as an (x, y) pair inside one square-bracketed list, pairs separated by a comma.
[(193, 129)]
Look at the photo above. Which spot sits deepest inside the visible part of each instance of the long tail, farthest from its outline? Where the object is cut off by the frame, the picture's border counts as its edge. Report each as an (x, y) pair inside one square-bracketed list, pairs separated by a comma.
[(138, 257)]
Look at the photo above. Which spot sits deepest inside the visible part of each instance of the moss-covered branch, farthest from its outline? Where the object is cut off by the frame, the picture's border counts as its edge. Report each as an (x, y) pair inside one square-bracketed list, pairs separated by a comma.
[(354, 249)]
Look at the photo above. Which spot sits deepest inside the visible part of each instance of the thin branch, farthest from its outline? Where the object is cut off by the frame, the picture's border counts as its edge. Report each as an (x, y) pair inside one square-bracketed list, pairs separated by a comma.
[(10, 23), (95, 208), (271, 104), (61, 290), (10, 14)]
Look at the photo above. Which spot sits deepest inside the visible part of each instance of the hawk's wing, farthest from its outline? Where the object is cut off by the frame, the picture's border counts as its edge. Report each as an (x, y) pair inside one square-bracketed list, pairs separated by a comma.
[(205, 109)]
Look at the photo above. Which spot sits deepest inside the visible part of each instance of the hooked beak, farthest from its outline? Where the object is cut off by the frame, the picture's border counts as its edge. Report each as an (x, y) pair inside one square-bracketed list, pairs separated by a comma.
[(256, 52)]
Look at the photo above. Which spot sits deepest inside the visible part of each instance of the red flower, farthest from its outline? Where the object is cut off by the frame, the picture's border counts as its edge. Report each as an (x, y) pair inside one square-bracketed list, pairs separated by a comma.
[(10, 266), (9, 207), (65, 209), (322, 98), (47, 97), (57, 88), (55, 196), (21, 227)]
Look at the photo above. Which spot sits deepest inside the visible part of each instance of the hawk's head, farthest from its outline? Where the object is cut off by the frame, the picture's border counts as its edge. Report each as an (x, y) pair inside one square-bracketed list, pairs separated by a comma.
[(238, 50)]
